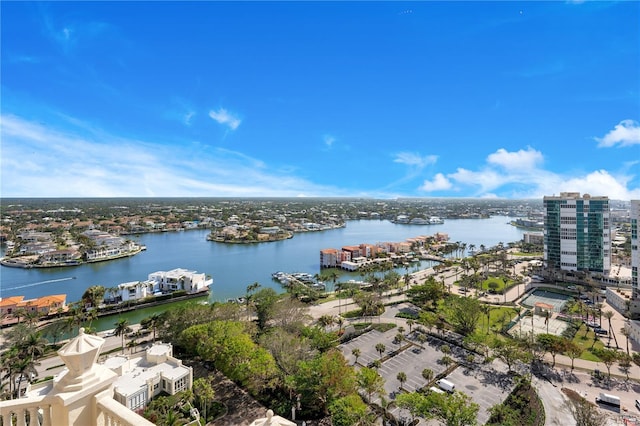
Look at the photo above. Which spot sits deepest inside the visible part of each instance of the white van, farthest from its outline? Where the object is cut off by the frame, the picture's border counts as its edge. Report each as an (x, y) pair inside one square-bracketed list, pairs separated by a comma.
[(446, 385), (605, 398), (435, 390)]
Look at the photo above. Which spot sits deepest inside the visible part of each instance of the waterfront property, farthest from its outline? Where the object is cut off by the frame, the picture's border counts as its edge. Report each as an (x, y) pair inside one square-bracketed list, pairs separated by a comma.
[(158, 283), (354, 257), (15, 306), (142, 378)]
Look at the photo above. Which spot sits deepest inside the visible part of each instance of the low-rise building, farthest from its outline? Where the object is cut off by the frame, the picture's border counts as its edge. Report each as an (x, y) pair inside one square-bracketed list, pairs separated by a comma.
[(44, 305), (161, 282), (144, 377)]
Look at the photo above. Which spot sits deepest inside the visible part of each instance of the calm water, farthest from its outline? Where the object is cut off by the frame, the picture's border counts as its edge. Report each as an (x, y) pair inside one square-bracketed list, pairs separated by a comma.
[(233, 266)]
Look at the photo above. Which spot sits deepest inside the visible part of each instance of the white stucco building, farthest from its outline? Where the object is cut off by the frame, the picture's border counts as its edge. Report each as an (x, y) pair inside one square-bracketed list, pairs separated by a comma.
[(144, 377), (162, 282)]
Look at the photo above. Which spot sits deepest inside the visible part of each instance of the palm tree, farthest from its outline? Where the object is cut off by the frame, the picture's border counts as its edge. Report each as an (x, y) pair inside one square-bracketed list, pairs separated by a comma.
[(427, 374), (356, 353), (132, 345), (486, 309), (326, 321), (398, 339), (625, 332), (402, 377), (608, 315), (122, 328), (8, 360), (152, 322), (24, 367), (546, 314), (380, 348), (410, 323), (202, 388), (34, 345), (519, 310), (407, 280)]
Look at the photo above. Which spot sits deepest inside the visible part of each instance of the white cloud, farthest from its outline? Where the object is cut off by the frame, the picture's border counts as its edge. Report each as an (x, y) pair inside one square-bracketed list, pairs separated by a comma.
[(536, 183), (42, 161), (519, 160), (438, 183), (188, 116), (223, 116), (328, 140), (413, 159), (626, 133), (487, 179), (600, 182)]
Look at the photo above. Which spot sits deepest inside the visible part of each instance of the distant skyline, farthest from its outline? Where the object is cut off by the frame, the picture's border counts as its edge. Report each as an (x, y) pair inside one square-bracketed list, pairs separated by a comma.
[(320, 99)]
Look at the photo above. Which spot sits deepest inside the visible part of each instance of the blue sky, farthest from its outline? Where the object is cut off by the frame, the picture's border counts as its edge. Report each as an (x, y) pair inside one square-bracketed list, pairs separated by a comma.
[(383, 99)]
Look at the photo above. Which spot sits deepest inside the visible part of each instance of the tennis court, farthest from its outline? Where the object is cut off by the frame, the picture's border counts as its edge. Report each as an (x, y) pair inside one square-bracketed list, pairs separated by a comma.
[(554, 299)]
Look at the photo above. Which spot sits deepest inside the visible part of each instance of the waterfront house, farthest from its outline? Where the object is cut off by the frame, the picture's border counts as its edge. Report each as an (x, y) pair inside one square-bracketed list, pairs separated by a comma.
[(329, 258), (61, 256), (135, 290), (181, 279), (44, 305), (37, 247), (106, 246), (8, 305), (161, 282)]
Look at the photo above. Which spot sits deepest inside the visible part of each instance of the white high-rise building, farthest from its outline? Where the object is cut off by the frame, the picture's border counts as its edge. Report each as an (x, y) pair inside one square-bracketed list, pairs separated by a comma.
[(635, 252), (577, 233)]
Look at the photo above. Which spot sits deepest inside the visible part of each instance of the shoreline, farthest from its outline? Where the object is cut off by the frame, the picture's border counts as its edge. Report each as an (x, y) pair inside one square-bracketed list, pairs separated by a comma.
[(10, 262)]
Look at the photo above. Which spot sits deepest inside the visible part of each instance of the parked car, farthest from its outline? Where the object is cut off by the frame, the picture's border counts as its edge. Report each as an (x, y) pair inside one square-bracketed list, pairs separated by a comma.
[(446, 385), (599, 330)]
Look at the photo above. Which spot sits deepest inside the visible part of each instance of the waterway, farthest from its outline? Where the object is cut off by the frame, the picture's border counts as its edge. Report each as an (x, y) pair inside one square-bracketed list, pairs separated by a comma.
[(235, 266)]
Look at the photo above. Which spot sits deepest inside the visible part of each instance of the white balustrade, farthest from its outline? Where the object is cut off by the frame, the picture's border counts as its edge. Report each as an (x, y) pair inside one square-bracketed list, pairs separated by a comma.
[(25, 412), (112, 413)]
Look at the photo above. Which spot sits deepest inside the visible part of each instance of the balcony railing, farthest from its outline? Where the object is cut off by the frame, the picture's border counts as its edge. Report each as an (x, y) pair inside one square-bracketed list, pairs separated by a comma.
[(36, 411), (26, 412), (112, 413)]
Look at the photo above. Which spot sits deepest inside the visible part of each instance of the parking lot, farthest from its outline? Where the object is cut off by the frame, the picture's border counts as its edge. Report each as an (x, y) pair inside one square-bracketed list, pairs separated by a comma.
[(487, 385)]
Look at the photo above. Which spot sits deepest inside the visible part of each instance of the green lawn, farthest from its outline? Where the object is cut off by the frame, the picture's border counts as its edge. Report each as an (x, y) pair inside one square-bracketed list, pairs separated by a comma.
[(586, 342), (498, 317), (500, 284)]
